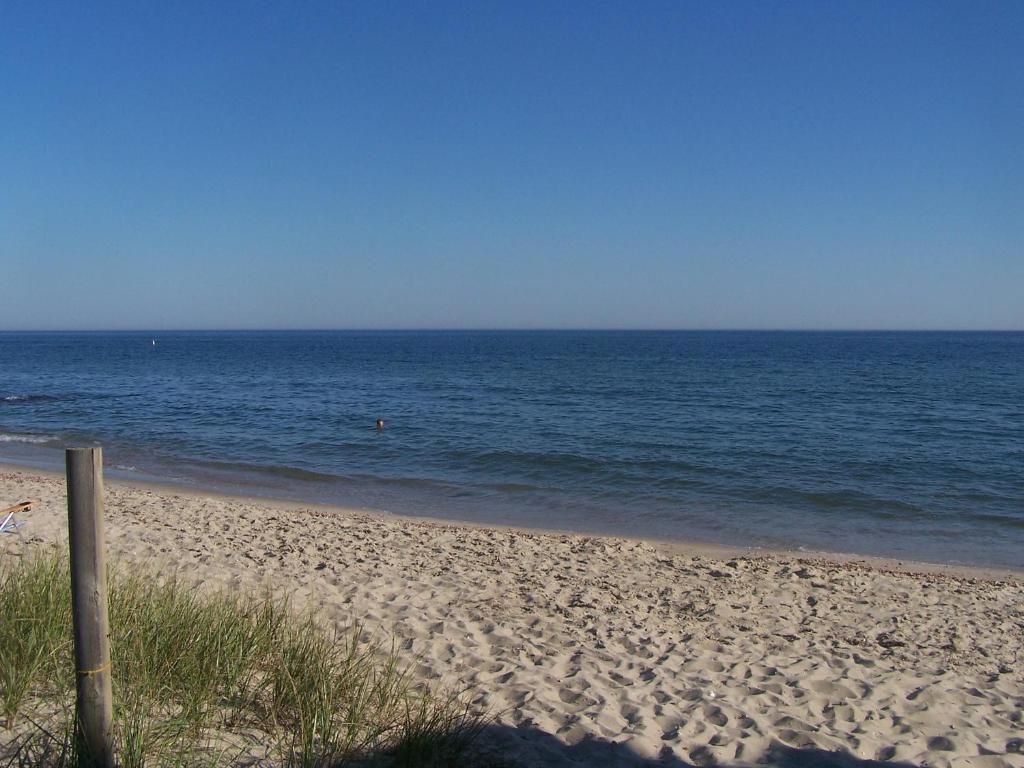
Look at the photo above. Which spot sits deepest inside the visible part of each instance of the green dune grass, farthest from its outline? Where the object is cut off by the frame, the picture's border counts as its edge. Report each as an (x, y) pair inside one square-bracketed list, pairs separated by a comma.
[(213, 679)]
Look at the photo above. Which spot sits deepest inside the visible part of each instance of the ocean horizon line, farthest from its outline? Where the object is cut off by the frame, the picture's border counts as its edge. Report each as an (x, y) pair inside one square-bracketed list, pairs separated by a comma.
[(512, 330)]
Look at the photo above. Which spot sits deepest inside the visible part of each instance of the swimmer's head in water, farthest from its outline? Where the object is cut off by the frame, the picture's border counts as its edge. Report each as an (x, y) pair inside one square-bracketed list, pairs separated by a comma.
[(380, 423)]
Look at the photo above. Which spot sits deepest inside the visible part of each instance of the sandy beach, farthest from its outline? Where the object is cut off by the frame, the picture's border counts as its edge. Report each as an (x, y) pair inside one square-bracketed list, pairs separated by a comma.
[(592, 651)]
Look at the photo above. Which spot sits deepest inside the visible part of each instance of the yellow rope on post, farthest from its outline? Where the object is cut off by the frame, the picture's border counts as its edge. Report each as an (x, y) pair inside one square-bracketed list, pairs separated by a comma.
[(89, 672)]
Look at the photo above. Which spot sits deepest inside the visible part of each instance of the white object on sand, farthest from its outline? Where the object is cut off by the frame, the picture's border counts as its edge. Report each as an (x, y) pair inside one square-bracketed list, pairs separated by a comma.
[(12, 524)]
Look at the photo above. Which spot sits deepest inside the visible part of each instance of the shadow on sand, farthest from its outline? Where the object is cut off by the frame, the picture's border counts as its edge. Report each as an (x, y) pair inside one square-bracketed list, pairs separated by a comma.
[(534, 747)]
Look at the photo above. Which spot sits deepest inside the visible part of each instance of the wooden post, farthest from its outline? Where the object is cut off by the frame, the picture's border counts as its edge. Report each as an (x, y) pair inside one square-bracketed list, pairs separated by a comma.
[(95, 708)]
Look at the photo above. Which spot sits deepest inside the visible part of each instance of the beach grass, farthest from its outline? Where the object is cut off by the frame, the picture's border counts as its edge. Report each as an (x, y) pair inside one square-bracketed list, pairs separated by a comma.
[(205, 678)]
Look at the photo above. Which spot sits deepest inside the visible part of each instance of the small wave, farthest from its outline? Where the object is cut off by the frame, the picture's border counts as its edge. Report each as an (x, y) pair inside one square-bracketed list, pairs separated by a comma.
[(29, 399), (1001, 520), (841, 499), (513, 487), (410, 482), (292, 473), (287, 473), (407, 483), (566, 462), (295, 473), (36, 439)]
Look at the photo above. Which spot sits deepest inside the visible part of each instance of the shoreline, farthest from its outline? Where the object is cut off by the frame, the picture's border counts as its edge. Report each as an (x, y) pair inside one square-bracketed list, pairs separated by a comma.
[(606, 651), (672, 546)]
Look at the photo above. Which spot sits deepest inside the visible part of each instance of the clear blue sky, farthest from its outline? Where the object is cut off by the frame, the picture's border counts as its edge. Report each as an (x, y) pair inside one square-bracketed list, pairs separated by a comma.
[(516, 164)]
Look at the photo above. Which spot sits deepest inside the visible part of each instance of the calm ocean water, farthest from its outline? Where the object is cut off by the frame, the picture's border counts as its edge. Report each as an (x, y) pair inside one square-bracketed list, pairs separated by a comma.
[(901, 444)]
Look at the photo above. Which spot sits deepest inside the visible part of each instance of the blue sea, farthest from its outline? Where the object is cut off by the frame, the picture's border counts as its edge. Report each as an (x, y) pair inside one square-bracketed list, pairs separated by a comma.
[(908, 445)]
